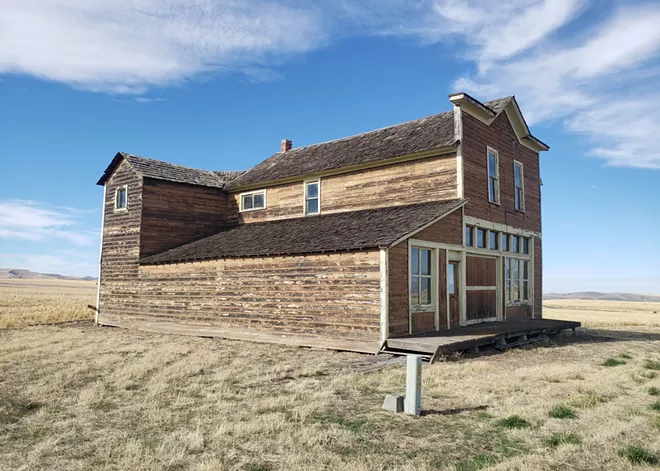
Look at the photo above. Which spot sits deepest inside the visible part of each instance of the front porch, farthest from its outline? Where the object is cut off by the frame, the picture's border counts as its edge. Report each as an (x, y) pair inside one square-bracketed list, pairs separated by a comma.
[(498, 335)]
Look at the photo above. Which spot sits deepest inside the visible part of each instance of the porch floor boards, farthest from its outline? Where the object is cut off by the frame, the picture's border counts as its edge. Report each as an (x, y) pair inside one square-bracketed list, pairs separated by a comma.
[(477, 335)]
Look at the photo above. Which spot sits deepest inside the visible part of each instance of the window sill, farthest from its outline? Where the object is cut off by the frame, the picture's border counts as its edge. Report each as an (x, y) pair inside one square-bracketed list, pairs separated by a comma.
[(251, 209), (120, 210), (415, 309), (494, 203)]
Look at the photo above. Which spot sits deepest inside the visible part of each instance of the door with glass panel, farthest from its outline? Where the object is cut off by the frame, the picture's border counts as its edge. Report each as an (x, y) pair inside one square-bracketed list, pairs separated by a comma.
[(423, 289)]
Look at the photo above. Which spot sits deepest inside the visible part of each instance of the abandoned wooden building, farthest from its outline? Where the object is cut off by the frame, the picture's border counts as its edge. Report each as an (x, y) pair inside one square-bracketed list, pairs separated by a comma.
[(424, 227)]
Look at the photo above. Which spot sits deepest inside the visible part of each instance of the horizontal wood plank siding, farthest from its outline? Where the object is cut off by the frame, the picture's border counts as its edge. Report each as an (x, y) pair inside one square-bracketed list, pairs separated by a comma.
[(477, 136), (174, 214), (417, 181), (121, 244), (448, 230), (398, 289), (323, 296)]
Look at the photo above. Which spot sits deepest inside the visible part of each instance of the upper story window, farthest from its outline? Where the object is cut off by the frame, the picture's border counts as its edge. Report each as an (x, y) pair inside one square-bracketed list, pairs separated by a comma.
[(469, 231), (481, 238), (253, 200), (121, 198), (493, 176), (421, 278), (519, 186), (312, 197)]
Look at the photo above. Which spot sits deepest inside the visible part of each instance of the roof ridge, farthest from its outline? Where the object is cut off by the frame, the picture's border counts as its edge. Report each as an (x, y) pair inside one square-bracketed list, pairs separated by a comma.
[(364, 133), (127, 154)]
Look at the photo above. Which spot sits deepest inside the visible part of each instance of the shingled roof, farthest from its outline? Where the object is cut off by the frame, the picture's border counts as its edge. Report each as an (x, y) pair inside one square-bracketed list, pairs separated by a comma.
[(412, 137), (352, 230), (166, 171)]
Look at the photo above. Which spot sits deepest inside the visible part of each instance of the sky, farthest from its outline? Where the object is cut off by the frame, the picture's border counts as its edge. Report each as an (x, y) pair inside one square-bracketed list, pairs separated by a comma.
[(217, 84)]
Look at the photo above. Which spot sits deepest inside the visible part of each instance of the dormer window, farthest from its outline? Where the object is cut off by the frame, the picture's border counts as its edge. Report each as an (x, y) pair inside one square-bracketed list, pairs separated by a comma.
[(253, 200), (312, 197), (121, 198), (493, 176)]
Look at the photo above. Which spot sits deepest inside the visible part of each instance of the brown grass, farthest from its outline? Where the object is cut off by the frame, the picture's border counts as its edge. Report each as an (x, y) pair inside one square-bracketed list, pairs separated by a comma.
[(80, 397), (30, 302), (603, 313)]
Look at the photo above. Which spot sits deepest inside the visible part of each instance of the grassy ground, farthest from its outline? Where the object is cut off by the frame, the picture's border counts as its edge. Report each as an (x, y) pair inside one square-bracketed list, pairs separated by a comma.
[(79, 397), (30, 302), (603, 313)]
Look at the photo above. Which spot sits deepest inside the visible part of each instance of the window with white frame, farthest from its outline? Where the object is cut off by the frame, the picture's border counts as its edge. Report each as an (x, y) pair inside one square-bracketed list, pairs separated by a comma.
[(516, 280), (312, 197), (253, 200), (121, 198), (421, 278), (493, 176), (519, 186)]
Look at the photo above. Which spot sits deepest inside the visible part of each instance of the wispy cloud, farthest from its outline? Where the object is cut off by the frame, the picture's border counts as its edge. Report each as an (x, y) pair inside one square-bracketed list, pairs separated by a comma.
[(127, 46), (32, 221)]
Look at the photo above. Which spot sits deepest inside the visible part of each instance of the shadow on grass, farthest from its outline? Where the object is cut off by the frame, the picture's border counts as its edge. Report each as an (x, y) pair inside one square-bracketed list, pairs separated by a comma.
[(453, 411)]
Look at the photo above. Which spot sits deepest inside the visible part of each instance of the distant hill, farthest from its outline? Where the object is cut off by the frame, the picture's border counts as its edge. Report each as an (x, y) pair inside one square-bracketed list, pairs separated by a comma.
[(594, 296), (19, 273)]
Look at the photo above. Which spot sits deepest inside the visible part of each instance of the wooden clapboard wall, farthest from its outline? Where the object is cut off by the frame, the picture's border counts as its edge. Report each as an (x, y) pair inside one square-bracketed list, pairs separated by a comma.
[(417, 181)]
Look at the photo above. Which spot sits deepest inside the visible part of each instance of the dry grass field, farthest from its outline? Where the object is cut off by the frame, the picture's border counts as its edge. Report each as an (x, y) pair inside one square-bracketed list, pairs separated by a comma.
[(34, 301), (603, 313), (79, 397)]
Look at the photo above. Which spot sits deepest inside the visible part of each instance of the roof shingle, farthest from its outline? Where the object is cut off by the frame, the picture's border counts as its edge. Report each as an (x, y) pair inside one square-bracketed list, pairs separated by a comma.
[(171, 172), (311, 234)]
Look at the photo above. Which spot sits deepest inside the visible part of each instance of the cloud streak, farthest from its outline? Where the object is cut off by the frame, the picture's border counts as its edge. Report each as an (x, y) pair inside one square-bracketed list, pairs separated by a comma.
[(31, 221)]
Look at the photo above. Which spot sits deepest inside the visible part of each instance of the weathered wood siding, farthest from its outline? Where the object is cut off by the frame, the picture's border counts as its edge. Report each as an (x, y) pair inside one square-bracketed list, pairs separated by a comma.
[(501, 137), (417, 181), (121, 244), (327, 300), (538, 278), (174, 214), (480, 271), (447, 230), (398, 289), (515, 313)]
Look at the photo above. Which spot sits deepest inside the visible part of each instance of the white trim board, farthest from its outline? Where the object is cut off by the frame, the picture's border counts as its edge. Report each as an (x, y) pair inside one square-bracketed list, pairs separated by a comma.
[(496, 226), (384, 295)]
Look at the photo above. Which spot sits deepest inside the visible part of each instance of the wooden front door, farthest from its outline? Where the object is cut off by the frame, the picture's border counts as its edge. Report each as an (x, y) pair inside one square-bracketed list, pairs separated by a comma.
[(481, 289), (452, 291)]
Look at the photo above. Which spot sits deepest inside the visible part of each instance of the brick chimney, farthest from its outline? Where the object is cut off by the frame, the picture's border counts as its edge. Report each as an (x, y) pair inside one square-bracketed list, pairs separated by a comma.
[(286, 145)]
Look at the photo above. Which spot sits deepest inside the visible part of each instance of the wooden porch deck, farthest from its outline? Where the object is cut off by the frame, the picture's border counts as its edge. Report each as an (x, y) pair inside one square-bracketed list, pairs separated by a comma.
[(493, 334)]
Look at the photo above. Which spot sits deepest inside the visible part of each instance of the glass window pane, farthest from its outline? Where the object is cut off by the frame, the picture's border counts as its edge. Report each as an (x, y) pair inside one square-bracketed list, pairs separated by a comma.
[(525, 245), (258, 200), (517, 202), (468, 236), (451, 278), (517, 175), (313, 206), (492, 190), (525, 292), (426, 261), (247, 202), (425, 292), (312, 190), (525, 268), (515, 270), (492, 164), (493, 240), (481, 238), (516, 291), (505, 242), (414, 290), (414, 261), (514, 243)]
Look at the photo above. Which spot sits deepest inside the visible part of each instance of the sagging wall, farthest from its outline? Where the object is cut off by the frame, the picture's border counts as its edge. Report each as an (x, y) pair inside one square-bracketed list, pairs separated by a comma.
[(448, 231), (324, 300), (417, 181), (174, 214)]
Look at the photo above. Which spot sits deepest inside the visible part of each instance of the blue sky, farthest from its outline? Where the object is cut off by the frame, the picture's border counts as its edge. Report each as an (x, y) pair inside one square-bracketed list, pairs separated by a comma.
[(218, 84)]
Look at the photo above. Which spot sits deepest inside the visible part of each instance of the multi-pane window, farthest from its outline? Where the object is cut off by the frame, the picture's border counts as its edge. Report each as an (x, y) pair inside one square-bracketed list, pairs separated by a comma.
[(516, 280), (121, 198), (253, 200), (421, 277), (481, 238), (312, 197), (519, 186), (493, 176)]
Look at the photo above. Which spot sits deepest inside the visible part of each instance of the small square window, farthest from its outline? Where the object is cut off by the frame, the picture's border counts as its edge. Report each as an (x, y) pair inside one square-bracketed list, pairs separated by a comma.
[(468, 236), (253, 200), (121, 199), (481, 238), (493, 240)]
